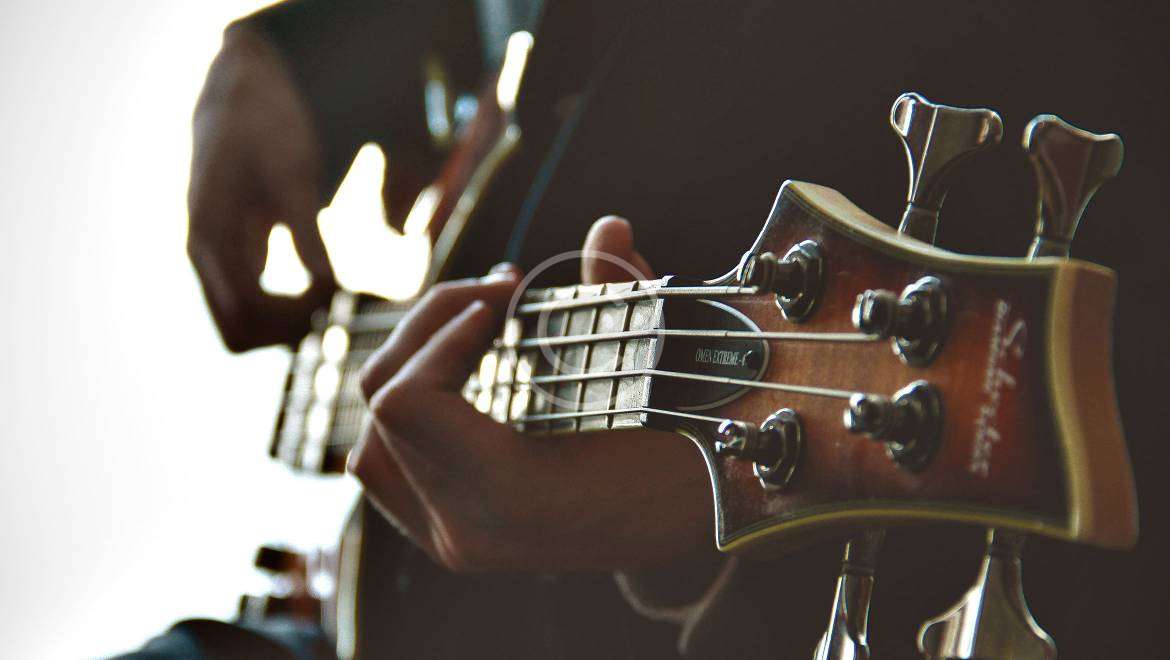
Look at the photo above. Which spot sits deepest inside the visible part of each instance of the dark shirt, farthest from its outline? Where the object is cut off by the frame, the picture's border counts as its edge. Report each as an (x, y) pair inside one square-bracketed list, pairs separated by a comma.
[(707, 108)]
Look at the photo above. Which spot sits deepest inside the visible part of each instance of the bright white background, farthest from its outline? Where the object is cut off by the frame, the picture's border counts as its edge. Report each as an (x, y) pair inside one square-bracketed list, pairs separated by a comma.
[(134, 478)]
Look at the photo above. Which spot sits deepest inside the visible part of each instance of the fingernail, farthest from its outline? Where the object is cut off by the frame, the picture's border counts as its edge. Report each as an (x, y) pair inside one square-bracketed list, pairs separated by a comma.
[(503, 267), (352, 460), (503, 276)]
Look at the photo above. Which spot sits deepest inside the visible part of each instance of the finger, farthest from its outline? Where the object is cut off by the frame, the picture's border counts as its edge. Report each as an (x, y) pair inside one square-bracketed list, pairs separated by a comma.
[(387, 487), (291, 189), (422, 405), (612, 236), (447, 358), (227, 244), (245, 315), (310, 247), (431, 313)]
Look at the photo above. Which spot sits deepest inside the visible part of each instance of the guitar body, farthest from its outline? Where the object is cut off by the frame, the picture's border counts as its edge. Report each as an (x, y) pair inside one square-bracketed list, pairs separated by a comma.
[(844, 377)]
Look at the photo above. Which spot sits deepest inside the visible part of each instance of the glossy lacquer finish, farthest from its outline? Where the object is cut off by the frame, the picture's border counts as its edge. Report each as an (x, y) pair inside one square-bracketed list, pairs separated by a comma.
[(1031, 437)]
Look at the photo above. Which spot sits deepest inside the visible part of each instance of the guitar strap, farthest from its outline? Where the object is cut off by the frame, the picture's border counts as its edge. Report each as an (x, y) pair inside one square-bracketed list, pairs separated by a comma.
[(564, 136)]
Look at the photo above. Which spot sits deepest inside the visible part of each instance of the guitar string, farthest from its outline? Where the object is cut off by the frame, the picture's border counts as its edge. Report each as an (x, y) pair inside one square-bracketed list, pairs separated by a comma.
[(646, 294), (569, 378), (531, 308), (809, 390), (633, 373), (696, 333), (362, 355), (386, 321), (552, 417)]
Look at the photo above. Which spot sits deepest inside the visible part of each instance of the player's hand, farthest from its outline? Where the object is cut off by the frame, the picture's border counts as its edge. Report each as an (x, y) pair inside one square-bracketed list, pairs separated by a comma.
[(255, 162), (475, 494)]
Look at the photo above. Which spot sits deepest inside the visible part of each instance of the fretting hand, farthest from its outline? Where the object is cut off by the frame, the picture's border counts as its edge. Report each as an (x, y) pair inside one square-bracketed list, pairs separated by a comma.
[(477, 495), (255, 163)]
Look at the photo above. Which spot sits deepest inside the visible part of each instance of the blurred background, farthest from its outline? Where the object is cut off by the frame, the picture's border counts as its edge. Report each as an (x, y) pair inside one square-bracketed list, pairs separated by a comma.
[(134, 481)]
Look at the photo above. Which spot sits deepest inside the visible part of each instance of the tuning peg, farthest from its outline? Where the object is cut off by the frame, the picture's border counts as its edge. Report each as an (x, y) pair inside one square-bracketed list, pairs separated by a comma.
[(936, 138), (992, 620), (845, 637), (774, 447), (1071, 164)]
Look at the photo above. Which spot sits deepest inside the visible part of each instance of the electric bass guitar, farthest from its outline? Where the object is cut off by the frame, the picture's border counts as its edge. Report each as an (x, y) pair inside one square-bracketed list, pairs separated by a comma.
[(845, 377)]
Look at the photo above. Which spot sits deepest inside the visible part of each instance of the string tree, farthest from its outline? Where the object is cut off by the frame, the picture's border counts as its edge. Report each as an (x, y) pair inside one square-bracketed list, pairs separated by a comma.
[(936, 138), (1070, 164)]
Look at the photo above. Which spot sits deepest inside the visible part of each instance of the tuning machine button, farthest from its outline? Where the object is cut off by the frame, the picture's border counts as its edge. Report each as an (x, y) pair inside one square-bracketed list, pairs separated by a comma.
[(773, 447), (845, 638), (1070, 164), (797, 278), (909, 423), (916, 320), (992, 620), (936, 138)]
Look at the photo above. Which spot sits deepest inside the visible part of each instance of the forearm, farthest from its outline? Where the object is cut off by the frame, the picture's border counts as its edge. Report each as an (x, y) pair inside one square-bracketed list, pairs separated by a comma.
[(359, 67)]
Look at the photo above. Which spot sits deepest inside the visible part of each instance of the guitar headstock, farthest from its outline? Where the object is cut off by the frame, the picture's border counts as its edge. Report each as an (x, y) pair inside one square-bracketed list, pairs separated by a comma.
[(899, 382), (927, 385)]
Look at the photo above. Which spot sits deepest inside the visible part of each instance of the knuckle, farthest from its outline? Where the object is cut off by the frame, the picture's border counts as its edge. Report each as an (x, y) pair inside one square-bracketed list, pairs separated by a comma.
[(389, 404), (438, 294), (368, 378)]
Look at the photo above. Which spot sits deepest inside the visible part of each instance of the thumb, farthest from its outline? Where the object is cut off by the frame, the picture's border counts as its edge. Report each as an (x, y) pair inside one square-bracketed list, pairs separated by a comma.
[(610, 255)]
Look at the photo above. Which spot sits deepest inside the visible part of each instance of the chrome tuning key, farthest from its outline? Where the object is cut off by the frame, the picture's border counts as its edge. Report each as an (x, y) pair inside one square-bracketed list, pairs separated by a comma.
[(992, 620), (909, 423), (936, 138), (846, 636), (773, 447), (796, 279), (1070, 164), (916, 320)]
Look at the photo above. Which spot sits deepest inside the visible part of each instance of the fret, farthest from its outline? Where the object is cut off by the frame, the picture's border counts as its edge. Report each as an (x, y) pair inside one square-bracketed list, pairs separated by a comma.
[(640, 353), (537, 363), (605, 356), (506, 372), (555, 324), (573, 358), (343, 307), (522, 396), (323, 409), (487, 381), (548, 387), (293, 421)]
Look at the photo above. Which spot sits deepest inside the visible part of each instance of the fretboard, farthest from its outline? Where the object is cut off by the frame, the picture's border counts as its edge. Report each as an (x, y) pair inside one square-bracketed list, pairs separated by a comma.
[(323, 412), (572, 359)]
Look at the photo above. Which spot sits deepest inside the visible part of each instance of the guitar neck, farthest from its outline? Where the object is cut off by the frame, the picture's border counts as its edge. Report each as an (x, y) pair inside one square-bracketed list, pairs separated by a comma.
[(585, 357), (553, 386), (573, 358), (323, 414)]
